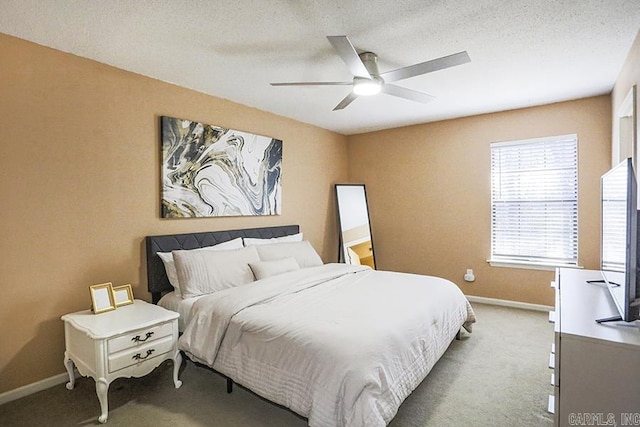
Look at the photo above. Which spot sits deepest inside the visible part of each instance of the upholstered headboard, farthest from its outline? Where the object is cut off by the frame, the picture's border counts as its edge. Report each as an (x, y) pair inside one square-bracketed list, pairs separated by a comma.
[(157, 281)]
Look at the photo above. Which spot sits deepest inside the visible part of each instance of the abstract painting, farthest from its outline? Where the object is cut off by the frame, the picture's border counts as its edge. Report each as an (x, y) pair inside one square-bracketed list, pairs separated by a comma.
[(213, 171)]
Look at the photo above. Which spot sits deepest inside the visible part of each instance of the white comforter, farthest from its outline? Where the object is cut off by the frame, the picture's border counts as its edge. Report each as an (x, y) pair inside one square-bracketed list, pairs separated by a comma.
[(341, 345)]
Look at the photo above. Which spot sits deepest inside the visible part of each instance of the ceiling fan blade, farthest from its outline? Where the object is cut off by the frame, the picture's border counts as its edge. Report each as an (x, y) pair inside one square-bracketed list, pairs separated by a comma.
[(346, 101), (349, 55), (403, 92), (312, 84), (426, 67)]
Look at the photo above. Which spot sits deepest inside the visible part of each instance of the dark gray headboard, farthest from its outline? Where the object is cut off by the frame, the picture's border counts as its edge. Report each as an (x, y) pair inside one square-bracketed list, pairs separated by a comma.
[(157, 281)]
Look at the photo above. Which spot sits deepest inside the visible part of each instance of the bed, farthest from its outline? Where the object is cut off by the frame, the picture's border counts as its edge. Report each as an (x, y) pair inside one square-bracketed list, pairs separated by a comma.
[(340, 345)]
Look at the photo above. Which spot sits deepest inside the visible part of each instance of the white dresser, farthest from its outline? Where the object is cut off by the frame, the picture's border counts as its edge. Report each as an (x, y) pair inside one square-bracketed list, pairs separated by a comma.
[(596, 367), (127, 342)]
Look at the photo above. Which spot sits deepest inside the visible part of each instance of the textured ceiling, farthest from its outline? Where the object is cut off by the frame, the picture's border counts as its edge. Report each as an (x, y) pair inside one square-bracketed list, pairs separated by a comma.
[(523, 53)]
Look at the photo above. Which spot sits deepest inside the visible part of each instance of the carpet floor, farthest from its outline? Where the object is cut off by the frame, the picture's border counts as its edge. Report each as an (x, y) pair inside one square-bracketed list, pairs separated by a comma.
[(496, 376)]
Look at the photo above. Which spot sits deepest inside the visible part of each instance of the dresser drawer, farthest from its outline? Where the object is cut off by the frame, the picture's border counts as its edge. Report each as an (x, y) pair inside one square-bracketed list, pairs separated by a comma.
[(140, 354), (139, 337)]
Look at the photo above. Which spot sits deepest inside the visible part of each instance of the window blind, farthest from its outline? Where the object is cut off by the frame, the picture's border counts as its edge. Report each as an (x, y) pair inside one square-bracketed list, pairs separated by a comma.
[(534, 201)]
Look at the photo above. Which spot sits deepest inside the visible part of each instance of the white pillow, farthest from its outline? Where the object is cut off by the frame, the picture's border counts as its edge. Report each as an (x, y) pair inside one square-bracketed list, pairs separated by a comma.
[(170, 268), (302, 252), (205, 272), (249, 241), (264, 269)]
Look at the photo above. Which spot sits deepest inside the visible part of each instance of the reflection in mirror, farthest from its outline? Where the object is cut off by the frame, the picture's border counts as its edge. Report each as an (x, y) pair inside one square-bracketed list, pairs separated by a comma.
[(356, 242)]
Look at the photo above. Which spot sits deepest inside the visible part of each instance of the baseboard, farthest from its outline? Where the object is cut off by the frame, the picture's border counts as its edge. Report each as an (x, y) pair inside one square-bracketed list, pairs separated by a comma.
[(507, 303), (32, 388)]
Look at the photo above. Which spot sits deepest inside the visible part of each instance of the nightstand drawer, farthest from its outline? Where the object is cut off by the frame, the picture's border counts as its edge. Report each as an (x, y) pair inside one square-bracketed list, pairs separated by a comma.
[(139, 337), (140, 354)]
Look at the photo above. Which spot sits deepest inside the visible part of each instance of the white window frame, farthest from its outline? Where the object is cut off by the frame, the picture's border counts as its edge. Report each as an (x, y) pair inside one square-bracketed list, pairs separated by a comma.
[(501, 198)]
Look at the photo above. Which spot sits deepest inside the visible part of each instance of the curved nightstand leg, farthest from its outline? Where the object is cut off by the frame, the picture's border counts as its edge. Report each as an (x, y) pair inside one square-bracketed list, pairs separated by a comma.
[(68, 363), (177, 362), (102, 390)]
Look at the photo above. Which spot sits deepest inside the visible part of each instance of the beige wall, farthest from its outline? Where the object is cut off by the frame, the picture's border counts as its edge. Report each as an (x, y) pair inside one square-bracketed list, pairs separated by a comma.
[(428, 188), (80, 153)]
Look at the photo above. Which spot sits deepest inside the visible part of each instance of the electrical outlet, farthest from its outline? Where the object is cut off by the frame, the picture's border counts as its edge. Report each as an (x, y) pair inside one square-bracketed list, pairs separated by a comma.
[(469, 277)]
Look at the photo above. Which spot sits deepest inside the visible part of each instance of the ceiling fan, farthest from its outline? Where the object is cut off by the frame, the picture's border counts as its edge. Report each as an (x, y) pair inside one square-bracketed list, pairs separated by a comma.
[(367, 80)]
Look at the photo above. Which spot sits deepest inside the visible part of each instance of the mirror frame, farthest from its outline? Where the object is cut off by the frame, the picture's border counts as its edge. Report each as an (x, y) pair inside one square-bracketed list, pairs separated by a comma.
[(341, 254)]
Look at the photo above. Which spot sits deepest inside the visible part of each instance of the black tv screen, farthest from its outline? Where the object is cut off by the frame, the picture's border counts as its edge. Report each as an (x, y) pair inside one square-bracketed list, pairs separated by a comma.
[(619, 239)]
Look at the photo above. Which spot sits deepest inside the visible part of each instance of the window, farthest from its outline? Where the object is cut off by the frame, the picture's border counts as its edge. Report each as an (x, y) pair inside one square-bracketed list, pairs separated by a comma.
[(534, 201)]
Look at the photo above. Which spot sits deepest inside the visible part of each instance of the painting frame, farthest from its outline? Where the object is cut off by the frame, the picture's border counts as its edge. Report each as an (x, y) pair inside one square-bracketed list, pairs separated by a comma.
[(213, 171)]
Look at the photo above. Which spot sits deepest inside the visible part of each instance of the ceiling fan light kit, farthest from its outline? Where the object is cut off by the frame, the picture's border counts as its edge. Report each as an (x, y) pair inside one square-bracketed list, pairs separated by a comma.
[(367, 80), (366, 87)]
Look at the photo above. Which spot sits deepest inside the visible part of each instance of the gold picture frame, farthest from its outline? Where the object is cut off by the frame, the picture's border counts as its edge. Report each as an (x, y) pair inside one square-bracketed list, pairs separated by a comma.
[(122, 295), (102, 298)]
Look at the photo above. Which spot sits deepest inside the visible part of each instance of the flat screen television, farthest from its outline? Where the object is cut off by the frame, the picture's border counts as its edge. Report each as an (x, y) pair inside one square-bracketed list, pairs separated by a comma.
[(619, 240)]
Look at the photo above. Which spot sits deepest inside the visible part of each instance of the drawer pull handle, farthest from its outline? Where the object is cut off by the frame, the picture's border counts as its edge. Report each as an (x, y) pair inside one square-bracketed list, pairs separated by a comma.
[(138, 357), (138, 339)]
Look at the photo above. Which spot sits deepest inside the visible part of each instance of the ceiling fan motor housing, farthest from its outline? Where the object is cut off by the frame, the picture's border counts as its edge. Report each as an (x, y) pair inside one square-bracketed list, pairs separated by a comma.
[(370, 61), (373, 85)]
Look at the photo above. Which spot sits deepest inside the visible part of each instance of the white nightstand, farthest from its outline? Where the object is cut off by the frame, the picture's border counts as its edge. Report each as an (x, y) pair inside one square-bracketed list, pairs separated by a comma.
[(130, 341)]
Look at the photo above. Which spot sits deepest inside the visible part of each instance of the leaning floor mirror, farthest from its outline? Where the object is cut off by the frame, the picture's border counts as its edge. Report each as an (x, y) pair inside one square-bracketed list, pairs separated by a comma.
[(356, 241)]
